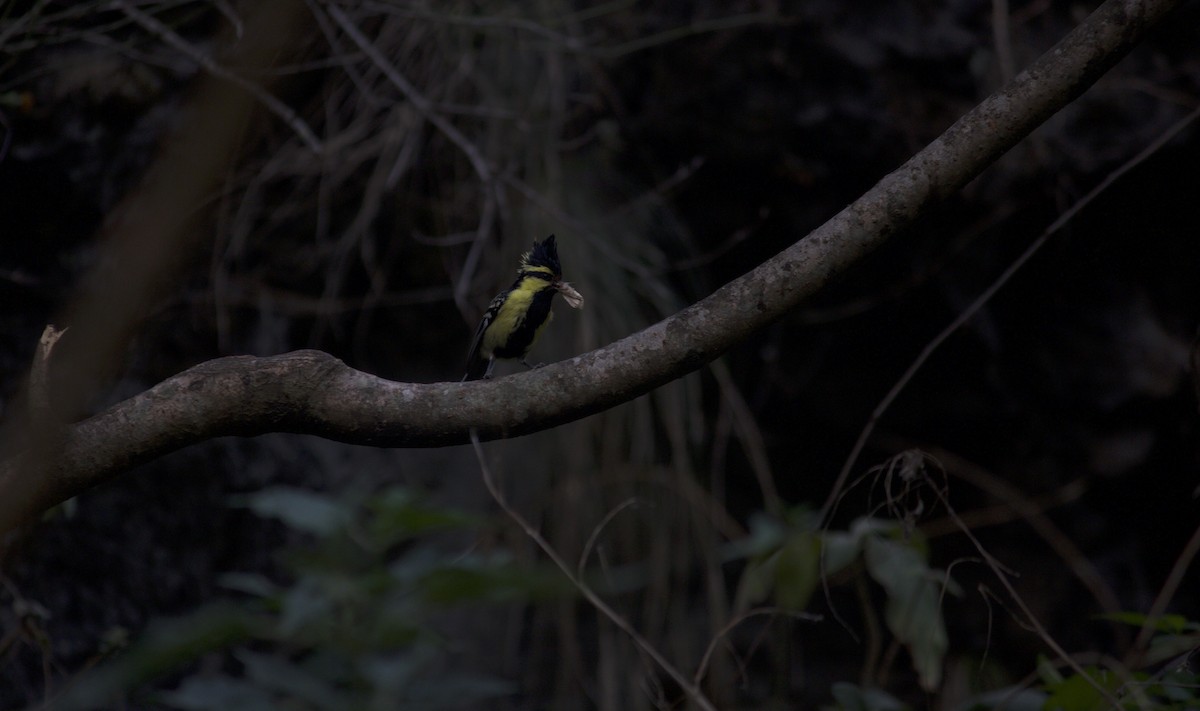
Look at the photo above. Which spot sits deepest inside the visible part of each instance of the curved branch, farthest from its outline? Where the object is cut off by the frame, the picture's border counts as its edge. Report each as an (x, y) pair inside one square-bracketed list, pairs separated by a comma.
[(313, 393)]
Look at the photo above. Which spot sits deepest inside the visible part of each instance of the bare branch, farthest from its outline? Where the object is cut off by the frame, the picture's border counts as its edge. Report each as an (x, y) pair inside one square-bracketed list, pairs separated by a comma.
[(313, 393)]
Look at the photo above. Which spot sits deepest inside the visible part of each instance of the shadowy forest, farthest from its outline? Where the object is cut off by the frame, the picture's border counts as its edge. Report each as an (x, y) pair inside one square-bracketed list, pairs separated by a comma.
[(963, 475)]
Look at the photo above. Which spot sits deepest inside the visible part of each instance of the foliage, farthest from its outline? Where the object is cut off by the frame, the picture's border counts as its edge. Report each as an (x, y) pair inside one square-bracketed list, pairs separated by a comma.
[(850, 697), (791, 570), (352, 626), (1175, 686)]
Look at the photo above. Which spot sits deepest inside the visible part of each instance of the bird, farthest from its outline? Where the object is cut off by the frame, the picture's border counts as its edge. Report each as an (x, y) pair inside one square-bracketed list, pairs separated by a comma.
[(518, 315)]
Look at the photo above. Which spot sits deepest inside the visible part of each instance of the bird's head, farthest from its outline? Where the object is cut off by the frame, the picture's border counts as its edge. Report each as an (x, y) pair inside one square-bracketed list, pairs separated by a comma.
[(543, 259)]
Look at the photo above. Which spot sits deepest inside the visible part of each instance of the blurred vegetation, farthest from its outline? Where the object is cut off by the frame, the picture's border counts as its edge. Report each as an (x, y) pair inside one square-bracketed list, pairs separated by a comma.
[(671, 146)]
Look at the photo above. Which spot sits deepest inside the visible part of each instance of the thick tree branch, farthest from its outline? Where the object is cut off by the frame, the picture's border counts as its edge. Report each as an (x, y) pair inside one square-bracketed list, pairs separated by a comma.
[(311, 392)]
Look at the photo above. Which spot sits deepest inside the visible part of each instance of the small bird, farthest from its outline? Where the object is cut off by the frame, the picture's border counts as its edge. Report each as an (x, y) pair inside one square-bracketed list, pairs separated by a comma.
[(516, 317)]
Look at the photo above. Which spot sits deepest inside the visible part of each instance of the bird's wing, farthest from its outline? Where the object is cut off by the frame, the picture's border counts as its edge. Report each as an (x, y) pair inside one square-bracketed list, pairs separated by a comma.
[(473, 356)]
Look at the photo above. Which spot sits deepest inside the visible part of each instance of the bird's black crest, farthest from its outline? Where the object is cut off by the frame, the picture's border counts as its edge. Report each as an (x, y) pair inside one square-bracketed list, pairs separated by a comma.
[(543, 254)]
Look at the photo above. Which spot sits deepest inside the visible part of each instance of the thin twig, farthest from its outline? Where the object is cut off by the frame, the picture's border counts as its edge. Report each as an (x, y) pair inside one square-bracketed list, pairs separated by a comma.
[(985, 297), (1030, 618), (688, 687), (699, 27), (487, 221), (476, 22), (591, 541), (1169, 588), (772, 611), (748, 432), (422, 104), (426, 108), (1034, 514), (276, 106)]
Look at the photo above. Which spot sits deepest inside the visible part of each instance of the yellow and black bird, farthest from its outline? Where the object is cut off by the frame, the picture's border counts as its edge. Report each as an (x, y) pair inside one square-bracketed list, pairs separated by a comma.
[(516, 317)]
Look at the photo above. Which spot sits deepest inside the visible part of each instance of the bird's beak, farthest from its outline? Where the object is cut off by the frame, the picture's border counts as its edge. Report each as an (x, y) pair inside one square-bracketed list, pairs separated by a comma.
[(573, 298)]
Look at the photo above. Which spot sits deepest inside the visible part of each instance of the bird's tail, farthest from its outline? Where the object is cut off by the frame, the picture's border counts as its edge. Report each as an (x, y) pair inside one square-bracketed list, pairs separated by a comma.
[(477, 368)]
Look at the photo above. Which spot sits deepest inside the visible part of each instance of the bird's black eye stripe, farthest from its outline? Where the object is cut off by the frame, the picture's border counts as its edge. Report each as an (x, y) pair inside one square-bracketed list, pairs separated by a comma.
[(536, 275)]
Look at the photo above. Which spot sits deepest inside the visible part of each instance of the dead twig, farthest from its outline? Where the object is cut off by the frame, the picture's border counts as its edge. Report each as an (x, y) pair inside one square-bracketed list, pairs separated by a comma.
[(687, 686)]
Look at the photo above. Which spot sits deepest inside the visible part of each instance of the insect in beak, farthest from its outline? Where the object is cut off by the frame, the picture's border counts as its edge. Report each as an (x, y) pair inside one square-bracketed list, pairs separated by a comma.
[(573, 298)]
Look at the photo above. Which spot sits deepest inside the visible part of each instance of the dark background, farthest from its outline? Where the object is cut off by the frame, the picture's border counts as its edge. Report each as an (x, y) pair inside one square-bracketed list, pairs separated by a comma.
[(671, 147)]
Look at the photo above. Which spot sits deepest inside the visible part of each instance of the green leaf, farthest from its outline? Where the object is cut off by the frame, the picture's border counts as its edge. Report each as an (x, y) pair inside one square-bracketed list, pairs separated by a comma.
[(397, 623), (301, 509), (912, 611), (280, 675), (757, 582), (456, 691), (304, 604), (218, 694), (1179, 686), (1169, 624), (777, 556), (1009, 699), (841, 549), (389, 674), (475, 579), (1075, 693), (1047, 672), (851, 697), (798, 571), (408, 682), (163, 647), (1165, 647), (254, 584), (399, 515)]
